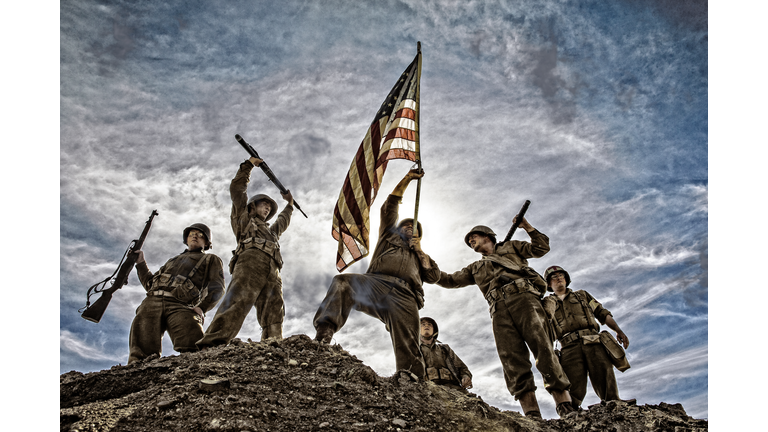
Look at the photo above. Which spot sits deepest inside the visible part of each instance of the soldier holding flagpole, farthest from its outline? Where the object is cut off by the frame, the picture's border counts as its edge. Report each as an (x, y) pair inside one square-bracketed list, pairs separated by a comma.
[(391, 289)]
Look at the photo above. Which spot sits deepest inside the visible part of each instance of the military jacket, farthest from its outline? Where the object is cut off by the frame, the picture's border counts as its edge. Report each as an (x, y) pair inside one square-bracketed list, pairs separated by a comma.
[(209, 276), (393, 255), (570, 314), (254, 231), (509, 261), (440, 356)]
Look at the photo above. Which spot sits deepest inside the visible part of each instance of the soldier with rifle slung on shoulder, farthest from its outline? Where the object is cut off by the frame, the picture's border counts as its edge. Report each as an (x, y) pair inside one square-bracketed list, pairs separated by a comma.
[(255, 266), (178, 296), (513, 291)]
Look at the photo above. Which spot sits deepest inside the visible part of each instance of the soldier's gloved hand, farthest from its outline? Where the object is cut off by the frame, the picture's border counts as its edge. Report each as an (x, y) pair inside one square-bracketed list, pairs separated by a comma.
[(415, 244), (256, 161), (622, 339), (200, 313), (466, 382)]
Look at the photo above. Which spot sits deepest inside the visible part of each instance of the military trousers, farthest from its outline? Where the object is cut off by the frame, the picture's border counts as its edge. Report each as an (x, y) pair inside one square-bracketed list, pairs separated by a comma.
[(383, 297), (156, 315), (255, 283), (580, 361), (520, 320)]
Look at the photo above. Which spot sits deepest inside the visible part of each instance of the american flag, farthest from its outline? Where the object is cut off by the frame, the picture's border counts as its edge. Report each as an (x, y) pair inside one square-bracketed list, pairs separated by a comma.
[(393, 134)]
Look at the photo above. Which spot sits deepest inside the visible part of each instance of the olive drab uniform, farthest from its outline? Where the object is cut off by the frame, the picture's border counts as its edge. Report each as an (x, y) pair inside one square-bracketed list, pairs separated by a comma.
[(390, 290), (513, 292), (574, 319), (191, 279), (255, 269), (443, 366)]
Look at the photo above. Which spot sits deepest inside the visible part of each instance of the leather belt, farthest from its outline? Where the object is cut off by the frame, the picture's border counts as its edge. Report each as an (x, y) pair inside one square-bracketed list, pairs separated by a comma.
[(161, 293), (575, 335), (501, 292)]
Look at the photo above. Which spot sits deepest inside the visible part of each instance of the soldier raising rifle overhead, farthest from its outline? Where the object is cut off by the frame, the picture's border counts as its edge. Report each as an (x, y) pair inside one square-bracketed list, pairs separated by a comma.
[(255, 266)]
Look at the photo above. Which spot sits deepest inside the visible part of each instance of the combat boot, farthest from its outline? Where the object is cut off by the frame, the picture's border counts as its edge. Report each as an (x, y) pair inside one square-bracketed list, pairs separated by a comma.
[(529, 404), (324, 333), (564, 409), (272, 331)]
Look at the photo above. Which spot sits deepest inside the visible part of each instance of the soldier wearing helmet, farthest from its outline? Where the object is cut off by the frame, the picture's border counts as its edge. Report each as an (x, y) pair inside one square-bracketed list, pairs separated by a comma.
[(178, 296), (513, 291), (574, 316), (444, 367), (255, 265), (390, 290)]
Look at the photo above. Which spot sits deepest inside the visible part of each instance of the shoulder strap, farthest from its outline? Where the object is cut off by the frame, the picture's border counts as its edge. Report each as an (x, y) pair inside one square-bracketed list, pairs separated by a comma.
[(205, 260), (587, 310), (504, 262)]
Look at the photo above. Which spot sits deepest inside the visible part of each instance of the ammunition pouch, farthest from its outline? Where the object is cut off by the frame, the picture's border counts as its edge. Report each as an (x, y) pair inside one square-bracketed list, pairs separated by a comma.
[(435, 374), (180, 287), (510, 287), (615, 351), (268, 247)]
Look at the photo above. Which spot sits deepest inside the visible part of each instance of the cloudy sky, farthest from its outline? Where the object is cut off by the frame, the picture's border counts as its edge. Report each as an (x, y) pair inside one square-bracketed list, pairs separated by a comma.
[(595, 111)]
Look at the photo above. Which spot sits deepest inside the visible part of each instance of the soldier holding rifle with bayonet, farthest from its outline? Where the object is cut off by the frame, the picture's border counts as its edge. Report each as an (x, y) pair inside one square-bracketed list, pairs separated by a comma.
[(513, 291), (257, 261)]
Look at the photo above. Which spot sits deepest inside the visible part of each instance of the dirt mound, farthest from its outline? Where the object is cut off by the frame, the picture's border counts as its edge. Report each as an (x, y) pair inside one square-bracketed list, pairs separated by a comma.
[(297, 384)]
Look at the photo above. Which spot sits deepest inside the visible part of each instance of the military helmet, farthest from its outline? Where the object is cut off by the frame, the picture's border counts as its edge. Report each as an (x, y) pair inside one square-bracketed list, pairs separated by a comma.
[(203, 229), (262, 197), (406, 220), (434, 325), (555, 269), (481, 229)]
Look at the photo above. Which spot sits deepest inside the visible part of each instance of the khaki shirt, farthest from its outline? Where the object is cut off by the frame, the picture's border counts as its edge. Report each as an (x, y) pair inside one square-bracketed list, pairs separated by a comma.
[(393, 255), (210, 275), (569, 315), (246, 227), (487, 274)]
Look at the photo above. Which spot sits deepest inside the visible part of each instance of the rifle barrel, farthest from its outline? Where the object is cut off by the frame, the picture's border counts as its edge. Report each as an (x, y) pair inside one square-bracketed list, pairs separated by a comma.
[(519, 218), (264, 167)]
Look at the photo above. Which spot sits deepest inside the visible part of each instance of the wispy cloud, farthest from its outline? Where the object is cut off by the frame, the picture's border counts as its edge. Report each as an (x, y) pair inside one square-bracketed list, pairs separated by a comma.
[(596, 113)]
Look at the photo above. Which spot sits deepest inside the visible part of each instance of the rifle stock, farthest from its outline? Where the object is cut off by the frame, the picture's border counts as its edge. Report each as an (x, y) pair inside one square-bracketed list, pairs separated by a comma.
[(264, 167), (94, 312), (519, 218)]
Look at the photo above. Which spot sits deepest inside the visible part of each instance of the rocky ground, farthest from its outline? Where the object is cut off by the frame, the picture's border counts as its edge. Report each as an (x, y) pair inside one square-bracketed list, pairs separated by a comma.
[(299, 385)]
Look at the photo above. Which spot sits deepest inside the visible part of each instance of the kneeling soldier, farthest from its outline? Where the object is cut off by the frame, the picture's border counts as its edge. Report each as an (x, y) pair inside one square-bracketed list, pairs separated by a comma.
[(444, 367), (574, 318), (178, 295)]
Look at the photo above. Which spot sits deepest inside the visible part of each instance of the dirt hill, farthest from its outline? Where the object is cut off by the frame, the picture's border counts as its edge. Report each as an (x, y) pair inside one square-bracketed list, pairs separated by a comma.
[(299, 385)]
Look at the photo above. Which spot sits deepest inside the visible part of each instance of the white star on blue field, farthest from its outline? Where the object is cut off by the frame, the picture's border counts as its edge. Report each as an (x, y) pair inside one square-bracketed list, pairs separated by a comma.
[(595, 111)]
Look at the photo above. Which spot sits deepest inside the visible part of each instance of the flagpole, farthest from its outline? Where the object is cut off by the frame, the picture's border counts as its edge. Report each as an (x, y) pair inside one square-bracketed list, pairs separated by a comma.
[(418, 146)]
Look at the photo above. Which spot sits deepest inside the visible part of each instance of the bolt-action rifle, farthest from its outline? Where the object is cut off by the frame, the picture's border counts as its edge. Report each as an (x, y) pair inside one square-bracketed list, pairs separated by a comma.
[(264, 167), (518, 219), (94, 312)]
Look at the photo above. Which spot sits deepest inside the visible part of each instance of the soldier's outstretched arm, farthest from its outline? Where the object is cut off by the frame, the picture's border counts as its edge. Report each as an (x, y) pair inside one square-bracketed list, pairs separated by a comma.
[(403, 185)]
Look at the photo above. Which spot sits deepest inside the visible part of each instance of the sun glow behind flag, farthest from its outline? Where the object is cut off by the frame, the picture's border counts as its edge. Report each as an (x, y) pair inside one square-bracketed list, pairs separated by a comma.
[(393, 134)]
